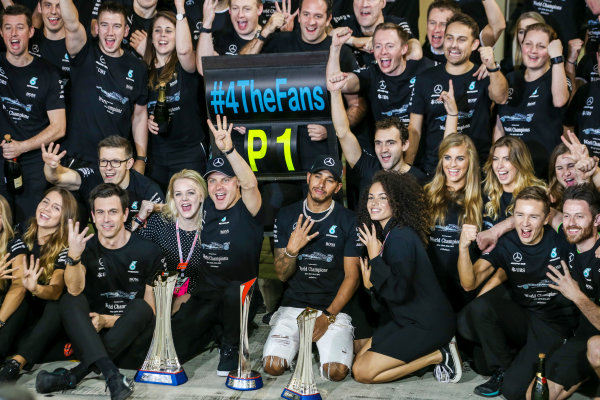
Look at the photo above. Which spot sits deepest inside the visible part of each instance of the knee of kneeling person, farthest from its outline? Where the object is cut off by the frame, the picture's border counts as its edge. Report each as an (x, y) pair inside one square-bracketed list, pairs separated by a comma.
[(593, 351), (512, 392), (361, 372), (334, 371), (275, 365)]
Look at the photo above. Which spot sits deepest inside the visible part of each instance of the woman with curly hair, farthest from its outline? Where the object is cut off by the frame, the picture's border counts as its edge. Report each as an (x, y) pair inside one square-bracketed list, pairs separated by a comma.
[(40, 283), (393, 225), (454, 199)]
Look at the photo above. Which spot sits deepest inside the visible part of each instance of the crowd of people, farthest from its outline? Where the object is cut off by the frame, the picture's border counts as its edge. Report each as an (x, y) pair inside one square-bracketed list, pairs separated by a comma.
[(471, 231)]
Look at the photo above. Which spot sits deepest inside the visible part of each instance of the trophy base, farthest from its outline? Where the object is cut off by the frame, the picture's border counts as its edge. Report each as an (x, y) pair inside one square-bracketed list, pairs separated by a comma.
[(291, 395), (162, 378), (253, 382)]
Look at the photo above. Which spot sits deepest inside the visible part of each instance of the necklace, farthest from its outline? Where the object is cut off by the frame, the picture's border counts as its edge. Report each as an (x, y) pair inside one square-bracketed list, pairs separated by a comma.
[(305, 210)]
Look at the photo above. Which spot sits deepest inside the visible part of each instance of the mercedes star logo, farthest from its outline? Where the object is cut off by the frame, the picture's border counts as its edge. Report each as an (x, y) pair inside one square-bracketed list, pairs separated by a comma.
[(382, 85), (218, 162), (438, 89), (329, 162), (517, 257), (590, 101)]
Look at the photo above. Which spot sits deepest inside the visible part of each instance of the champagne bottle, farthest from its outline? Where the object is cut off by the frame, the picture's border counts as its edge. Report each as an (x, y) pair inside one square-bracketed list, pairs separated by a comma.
[(161, 111), (540, 387), (13, 175)]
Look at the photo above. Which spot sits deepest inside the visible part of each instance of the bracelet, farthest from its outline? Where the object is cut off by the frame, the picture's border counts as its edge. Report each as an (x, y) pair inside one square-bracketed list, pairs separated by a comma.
[(2, 323), (572, 62), (228, 152), (452, 115), (139, 221), (205, 30), (288, 254)]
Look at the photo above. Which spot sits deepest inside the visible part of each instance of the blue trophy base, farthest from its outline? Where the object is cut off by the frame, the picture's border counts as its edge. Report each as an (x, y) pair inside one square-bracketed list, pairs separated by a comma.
[(291, 395), (162, 378), (253, 382)]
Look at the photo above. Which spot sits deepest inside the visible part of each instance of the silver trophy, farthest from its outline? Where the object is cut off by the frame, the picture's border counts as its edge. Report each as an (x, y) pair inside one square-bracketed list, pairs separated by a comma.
[(244, 378), (162, 365), (302, 386)]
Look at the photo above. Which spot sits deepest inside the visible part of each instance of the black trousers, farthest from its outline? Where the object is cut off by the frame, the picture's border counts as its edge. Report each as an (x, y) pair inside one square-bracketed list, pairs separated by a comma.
[(90, 345), (36, 345), (510, 336), (15, 325), (207, 315)]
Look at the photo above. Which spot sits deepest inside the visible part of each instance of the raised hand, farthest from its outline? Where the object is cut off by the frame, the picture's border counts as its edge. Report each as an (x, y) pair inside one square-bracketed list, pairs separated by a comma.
[(146, 209), (209, 10), (366, 272), (285, 10), (481, 72), (468, 235), (574, 47), (555, 48), (77, 240), (487, 56), (51, 156), (5, 271), (578, 150), (340, 36), (301, 235), (31, 274), (447, 97), (137, 40), (369, 239), (336, 82), (275, 22), (222, 133), (564, 283)]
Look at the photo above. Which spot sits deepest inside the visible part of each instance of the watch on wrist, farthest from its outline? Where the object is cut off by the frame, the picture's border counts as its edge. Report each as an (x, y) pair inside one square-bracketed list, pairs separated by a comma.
[(141, 158), (70, 261), (228, 152), (557, 60), (495, 69), (330, 317), (180, 17), (205, 30)]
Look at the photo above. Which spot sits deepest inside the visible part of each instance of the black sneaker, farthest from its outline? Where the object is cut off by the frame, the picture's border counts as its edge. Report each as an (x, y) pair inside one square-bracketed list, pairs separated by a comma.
[(120, 387), (228, 360), (10, 371), (450, 369), (59, 379), (492, 387)]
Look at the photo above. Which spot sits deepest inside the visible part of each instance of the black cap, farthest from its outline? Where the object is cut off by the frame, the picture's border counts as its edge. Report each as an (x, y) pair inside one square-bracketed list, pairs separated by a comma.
[(325, 162), (219, 164)]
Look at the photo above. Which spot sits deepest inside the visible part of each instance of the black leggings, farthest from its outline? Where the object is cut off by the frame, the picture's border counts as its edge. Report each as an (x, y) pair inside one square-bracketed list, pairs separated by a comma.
[(90, 346)]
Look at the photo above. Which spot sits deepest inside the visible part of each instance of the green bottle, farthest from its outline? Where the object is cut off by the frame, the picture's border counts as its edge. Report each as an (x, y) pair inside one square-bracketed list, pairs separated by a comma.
[(540, 387)]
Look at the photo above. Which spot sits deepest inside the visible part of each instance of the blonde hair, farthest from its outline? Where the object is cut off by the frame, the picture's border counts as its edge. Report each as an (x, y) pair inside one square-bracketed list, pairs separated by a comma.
[(59, 239), (6, 234), (469, 197), (516, 46), (520, 158), (169, 211)]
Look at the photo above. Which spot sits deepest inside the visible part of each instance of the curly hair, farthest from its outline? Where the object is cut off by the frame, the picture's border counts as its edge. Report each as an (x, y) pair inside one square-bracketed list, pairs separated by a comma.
[(407, 201)]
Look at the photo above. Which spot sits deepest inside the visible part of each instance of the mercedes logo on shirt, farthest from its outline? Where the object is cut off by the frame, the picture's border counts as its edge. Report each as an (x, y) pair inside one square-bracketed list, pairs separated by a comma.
[(438, 89), (382, 85), (589, 101), (218, 162), (329, 162), (232, 48), (517, 257)]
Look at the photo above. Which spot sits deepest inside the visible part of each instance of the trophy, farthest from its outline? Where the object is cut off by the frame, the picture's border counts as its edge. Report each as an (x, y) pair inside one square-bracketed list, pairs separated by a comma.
[(302, 386), (162, 365), (243, 378)]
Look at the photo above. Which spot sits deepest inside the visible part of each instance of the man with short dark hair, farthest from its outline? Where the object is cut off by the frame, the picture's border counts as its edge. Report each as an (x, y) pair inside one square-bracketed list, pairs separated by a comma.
[(523, 316), (114, 166), (109, 301), (109, 92), (32, 112)]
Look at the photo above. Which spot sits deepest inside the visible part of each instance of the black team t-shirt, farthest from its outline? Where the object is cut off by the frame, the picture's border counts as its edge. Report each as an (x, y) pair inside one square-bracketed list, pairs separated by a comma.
[(587, 68), (566, 17), (140, 188), (473, 103), (592, 26), (505, 201), (389, 95), (320, 264), (114, 277), (104, 93), (53, 51), (526, 267), (27, 94), (185, 130), (231, 243), (584, 114), (227, 42), (529, 114)]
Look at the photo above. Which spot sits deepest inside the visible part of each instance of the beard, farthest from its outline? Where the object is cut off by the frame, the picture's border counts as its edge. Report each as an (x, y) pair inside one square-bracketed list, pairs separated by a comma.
[(584, 233)]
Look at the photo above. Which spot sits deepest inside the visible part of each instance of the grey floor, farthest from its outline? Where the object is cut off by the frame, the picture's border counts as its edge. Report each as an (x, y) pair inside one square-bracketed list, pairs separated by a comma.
[(205, 384)]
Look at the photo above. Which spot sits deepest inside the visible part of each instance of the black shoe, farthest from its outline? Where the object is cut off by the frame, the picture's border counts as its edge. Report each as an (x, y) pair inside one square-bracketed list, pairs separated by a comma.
[(10, 371), (266, 319), (492, 387), (450, 369), (120, 387), (228, 360), (59, 379)]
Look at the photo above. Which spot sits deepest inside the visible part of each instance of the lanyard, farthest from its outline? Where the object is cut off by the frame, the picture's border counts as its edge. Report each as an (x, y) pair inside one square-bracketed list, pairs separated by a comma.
[(383, 244), (183, 265)]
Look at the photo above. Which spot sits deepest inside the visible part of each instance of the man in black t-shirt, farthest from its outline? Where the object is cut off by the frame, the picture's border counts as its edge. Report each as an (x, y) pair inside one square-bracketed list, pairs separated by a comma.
[(115, 161), (316, 253), (109, 92), (473, 97), (32, 113), (523, 316), (231, 237), (568, 366), (109, 307)]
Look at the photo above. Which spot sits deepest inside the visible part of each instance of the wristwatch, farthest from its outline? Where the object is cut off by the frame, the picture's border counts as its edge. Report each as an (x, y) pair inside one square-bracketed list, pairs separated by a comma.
[(330, 317), (557, 60), (180, 17), (259, 35), (205, 30), (141, 158), (71, 262), (495, 69)]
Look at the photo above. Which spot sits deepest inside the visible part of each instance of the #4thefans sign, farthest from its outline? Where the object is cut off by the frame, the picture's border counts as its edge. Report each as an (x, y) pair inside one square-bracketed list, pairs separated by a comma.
[(274, 96)]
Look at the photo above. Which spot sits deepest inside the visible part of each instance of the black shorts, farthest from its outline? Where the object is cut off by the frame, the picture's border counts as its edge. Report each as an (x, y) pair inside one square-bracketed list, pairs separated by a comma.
[(408, 342)]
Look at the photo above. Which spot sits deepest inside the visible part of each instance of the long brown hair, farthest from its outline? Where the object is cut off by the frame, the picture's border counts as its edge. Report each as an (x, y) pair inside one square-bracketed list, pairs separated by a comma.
[(469, 197), (59, 239), (150, 55), (520, 158), (6, 232), (555, 188)]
